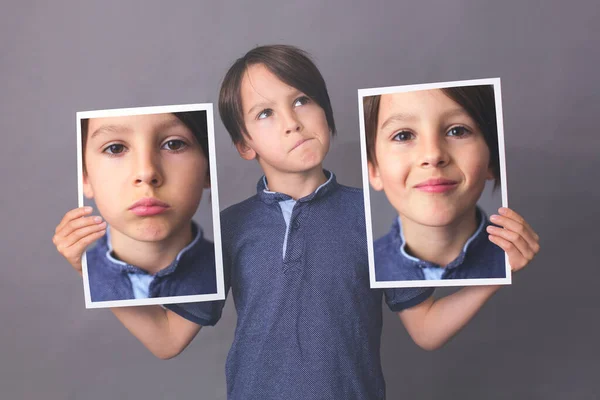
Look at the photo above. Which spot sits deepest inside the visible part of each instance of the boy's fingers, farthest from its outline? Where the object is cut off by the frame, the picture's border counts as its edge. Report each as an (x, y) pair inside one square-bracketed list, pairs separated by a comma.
[(77, 224), (512, 214), (72, 214), (520, 228), (75, 251), (74, 254), (514, 239), (81, 233), (515, 258)]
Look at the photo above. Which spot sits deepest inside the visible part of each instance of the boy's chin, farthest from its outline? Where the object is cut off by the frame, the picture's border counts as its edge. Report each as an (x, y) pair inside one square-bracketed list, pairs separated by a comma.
[(149, 232), (305, 168), (432, 218)]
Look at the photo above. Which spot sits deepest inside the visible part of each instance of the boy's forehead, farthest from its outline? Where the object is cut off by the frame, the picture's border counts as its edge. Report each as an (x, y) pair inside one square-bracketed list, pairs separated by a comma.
[(132, 119), (124, 124), (260, 85), (412, 99), (410, 105)]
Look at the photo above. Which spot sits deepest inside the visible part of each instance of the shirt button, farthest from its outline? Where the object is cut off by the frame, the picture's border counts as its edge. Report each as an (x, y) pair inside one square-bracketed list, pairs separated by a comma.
[(296, 224)]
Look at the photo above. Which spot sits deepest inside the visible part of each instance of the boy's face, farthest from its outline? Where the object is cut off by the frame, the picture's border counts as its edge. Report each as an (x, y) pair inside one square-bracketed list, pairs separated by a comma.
[(432, 159), (287, 131), (146, 174)]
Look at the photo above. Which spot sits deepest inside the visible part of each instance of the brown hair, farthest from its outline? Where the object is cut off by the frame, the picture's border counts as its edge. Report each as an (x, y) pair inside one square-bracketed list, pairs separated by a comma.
[(195, 121), (290, 64), (477, 101)]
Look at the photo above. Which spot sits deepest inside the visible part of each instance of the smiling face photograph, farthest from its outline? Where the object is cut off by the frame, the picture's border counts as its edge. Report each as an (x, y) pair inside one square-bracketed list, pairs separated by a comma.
[(146, 170), (432, 150)]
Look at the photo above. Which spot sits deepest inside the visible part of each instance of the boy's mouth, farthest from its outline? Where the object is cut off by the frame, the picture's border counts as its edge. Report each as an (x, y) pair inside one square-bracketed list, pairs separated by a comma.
[(436, 185), (300, 143), (148, 206)]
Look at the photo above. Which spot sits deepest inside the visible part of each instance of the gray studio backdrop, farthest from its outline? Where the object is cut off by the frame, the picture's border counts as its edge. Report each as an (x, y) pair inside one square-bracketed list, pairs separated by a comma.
[(537, 339)]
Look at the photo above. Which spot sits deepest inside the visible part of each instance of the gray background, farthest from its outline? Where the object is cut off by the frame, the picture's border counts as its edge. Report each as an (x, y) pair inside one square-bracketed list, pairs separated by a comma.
[(537, 339)]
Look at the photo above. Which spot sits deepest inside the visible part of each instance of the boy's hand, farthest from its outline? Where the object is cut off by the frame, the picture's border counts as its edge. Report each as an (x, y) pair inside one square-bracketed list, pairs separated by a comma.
[(517, 239), (75, 233)]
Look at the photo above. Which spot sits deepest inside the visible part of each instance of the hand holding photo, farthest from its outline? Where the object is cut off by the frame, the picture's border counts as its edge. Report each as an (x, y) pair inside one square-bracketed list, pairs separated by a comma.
[(146, 170), (515, 237), (432, 150)]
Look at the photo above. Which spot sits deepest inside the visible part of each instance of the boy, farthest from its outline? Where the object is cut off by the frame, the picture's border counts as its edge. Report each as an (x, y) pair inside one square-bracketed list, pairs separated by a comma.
[(431, 152), (295, 254), (158, 165)]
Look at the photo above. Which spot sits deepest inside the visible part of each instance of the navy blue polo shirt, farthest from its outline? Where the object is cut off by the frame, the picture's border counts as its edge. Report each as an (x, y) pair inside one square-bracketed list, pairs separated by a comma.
[(309, 326), (191, 273), (479, 258)]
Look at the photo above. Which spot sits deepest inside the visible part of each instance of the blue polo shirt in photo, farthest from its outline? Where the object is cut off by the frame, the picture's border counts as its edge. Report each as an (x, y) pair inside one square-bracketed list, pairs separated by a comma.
[(191, 273), (309, 326), (479, 258)]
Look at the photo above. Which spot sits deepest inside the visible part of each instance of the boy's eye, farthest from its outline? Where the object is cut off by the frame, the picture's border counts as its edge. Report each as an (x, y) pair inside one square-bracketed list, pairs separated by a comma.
[(114, 149), (174, 145), (458, 131), (302, 100), (403, 136), (264, 113)]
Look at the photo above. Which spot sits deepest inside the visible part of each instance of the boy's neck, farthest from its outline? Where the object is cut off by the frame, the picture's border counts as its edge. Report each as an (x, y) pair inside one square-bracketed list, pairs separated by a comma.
[(149, 256), (439, 245), (296, 184)]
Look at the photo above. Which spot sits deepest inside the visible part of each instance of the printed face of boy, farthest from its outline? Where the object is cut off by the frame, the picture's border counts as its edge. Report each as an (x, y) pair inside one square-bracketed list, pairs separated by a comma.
[(146, 174), (431, 158), (287, 131)]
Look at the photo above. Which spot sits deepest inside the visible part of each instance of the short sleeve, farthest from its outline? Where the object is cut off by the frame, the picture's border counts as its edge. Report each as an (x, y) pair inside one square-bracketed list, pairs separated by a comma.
[(206, 313), (399, 299)]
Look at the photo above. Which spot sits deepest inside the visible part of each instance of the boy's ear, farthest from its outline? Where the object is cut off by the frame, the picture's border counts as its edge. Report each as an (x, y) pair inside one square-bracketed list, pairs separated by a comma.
[(490, 174), (88, 192), (374, 177), (207, 180), (246, 152)]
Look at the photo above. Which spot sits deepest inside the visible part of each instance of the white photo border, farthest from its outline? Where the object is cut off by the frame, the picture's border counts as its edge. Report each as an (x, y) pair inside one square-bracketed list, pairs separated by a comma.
[(121, 112), (495, 82)]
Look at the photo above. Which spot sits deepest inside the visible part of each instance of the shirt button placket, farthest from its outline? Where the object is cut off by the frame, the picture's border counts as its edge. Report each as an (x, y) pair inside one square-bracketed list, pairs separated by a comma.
[(295, 241)]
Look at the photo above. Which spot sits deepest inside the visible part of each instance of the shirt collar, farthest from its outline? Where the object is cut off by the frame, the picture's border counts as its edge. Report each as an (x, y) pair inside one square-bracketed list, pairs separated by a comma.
[(264, 194), (477, 238), (186, 252)]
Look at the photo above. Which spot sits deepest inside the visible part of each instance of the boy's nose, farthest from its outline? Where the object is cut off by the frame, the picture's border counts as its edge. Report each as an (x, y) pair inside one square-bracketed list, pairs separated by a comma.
[(433, 153), (295, 128), (148, 172), (292, 123)]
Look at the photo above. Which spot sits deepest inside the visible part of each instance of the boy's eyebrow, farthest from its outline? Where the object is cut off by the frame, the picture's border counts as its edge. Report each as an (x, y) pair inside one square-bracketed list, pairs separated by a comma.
[(264, 104), (398, 117), (455, 112), (169, 124), (404, 117), (267, 103), (110, 129)]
